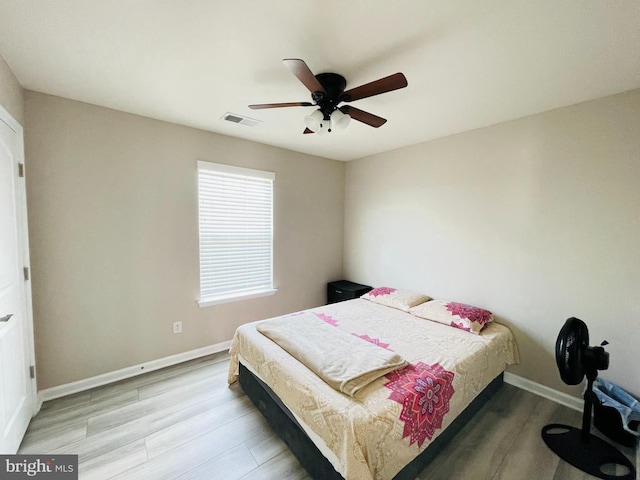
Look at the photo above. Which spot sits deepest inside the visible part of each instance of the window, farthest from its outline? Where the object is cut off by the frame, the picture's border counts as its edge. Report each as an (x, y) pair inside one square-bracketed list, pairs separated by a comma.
[(236, 233)]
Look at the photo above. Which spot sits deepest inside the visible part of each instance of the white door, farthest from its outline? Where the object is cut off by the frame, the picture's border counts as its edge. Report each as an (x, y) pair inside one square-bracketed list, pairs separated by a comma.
[(17, 395)]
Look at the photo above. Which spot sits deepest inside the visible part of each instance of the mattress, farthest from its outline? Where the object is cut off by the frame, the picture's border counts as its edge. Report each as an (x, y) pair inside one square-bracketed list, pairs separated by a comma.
[(385, 425)]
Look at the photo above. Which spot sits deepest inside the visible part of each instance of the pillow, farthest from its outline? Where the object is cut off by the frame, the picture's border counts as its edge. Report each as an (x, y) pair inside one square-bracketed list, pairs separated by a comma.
[(400, 299), (459, 315)]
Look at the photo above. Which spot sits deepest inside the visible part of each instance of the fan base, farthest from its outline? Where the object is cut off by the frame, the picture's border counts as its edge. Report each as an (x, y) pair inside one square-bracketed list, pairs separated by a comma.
[(332, 83), (593, 455)]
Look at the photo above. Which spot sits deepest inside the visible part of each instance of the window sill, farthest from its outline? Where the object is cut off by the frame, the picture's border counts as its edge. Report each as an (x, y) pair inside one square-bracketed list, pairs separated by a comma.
[(217, 300)]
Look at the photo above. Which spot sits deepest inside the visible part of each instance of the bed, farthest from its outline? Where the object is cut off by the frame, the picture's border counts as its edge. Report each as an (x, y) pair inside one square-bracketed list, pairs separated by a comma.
[(390, 427)]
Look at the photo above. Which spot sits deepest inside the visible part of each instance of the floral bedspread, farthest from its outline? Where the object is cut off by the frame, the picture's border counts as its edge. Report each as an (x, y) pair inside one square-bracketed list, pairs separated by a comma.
[(379, 430)]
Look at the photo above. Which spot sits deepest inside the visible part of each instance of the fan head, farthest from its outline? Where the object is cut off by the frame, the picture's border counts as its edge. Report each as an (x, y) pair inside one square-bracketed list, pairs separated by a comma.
[(574, 357), (570, 344)]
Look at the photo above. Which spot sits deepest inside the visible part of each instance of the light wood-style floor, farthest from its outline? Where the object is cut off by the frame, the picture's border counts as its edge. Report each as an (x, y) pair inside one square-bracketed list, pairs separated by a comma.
[(184, 422)]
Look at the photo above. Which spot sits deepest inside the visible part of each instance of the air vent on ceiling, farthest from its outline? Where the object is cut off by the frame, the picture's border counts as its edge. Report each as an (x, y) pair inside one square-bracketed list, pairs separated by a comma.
[(235, 118)]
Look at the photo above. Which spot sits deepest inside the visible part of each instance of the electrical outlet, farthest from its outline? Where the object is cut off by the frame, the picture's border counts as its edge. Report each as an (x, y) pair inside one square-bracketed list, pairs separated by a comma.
[(177, 327)]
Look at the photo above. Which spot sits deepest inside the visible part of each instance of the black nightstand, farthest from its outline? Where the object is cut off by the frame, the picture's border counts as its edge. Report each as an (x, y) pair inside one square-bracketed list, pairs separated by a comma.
[(345, 290)]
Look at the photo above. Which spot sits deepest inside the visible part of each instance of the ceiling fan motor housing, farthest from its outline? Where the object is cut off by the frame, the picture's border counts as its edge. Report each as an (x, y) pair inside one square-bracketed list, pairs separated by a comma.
[(334, 85)]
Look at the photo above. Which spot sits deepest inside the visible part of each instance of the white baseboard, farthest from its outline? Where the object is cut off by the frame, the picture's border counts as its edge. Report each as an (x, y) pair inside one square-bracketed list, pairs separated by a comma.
[(543, 391), (110, 377), (128, 372)]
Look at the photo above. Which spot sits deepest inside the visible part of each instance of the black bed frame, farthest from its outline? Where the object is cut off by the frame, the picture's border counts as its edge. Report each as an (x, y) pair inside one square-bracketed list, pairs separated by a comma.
[(285, 425)]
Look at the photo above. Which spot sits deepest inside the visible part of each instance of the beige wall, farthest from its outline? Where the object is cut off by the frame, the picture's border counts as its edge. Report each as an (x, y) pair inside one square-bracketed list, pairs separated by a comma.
[(537, 220), (114, 236), (11, 93)]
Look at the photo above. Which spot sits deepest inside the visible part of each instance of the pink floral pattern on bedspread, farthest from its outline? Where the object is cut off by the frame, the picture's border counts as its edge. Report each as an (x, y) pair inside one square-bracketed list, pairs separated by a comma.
[(424, 392), (327, 318), (375, 341), (322, 316)]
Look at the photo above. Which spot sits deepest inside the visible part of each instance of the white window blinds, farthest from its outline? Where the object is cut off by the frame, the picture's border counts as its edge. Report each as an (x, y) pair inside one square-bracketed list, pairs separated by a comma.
[(236, 232)]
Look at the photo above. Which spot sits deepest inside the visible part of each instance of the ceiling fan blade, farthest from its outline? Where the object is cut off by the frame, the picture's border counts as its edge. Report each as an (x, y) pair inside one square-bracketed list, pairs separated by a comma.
[(304, 74), (383, 85), (279, 105), (306, 130), (362, 116)]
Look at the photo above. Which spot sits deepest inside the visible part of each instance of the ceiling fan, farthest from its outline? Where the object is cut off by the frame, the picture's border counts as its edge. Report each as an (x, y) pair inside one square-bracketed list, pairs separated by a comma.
[(328, 91)]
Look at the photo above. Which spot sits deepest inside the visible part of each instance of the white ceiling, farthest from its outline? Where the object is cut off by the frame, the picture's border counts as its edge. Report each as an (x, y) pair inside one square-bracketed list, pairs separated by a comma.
[(469, 63)]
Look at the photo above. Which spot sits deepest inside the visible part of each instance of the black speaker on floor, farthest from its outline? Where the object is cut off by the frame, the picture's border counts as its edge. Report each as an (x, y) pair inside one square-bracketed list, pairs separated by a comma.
[(576, 359)]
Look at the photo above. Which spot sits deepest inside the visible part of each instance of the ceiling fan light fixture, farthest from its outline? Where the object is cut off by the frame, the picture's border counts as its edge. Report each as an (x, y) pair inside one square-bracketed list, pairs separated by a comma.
[(315, 121), (340, 120), (325, 127)]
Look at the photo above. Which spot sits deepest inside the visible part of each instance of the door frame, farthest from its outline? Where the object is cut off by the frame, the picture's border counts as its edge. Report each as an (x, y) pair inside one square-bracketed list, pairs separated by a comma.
[(23, 234)]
